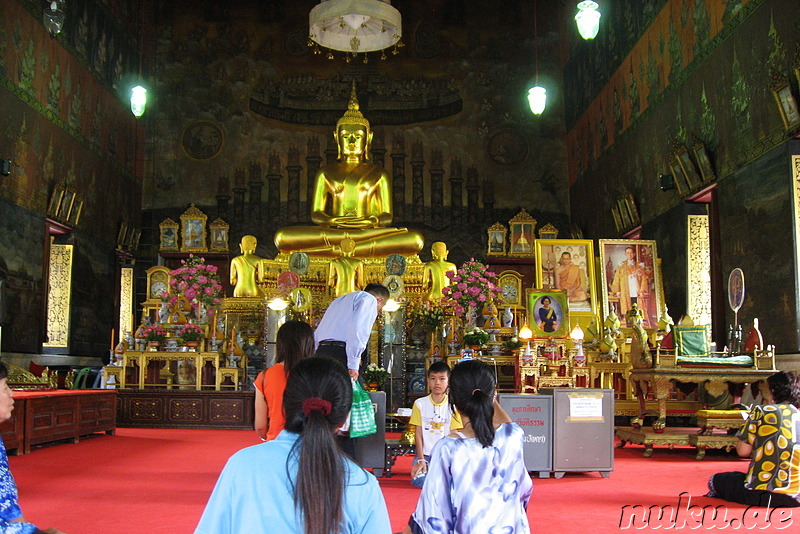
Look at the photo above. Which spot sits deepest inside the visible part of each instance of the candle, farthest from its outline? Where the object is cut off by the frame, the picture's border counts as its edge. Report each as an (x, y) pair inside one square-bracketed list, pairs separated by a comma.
[(112, 339)]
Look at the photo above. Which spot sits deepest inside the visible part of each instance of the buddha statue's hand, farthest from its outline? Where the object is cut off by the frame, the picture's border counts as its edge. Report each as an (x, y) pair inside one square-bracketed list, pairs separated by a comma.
[(353, 222)]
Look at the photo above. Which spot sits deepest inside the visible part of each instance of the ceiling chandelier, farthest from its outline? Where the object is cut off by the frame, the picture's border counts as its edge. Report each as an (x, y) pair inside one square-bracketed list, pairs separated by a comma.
[(588, 19), (354, 27)]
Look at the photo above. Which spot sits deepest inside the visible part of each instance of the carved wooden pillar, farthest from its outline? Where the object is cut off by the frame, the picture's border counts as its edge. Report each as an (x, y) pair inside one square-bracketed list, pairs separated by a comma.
[(239, 191), (417, 183), (274, 187), (437, 189), (313, 161), (399, 178), (256, 185), (472, 194), (456, 184), (293, 169)]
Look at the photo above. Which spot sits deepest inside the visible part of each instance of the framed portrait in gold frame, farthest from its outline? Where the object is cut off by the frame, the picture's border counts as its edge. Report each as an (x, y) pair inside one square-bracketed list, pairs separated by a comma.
[(75, 212), (521, 228), (193, 230), (680, 177), (497, 240), (548, 231), (122, 235), (55, 202), (629, 273), (168, 236), (704, 162), (219, 236), (66, 204), (568, 265), (548, 312), (687, 166), (787, 105)]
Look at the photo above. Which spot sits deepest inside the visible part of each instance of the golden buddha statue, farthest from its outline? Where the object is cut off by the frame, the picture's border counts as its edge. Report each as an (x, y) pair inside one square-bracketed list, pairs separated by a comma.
[(352, 199), (247, 270), (434, 272), (346, 274)]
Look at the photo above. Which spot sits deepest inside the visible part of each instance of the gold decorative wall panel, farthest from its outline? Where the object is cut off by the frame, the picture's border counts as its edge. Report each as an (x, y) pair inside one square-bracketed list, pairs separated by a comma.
[(125, 301), (698, 276), (58, 299)]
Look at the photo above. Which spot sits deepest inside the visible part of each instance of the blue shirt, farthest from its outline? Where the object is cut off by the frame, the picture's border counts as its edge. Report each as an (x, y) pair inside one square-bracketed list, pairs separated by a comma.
[(253, 494), (9, 505), (349, 318)]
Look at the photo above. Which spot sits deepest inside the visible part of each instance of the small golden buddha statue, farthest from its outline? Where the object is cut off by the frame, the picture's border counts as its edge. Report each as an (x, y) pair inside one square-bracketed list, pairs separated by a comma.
[(246, 270), (434, 272), (352, 199), (346, 274)]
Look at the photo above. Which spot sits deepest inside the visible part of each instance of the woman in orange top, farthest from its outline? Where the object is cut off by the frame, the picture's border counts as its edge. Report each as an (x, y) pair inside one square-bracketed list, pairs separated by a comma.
[(295, 341)]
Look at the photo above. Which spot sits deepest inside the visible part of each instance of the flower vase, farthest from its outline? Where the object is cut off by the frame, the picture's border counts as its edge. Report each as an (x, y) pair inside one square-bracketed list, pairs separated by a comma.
[(372, 386), (152, 346), (192, 345)]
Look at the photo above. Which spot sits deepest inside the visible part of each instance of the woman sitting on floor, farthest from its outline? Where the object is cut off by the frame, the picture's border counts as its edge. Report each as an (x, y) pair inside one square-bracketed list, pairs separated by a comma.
[(11, 519), (770, 437), (300, 482), (477, 481)]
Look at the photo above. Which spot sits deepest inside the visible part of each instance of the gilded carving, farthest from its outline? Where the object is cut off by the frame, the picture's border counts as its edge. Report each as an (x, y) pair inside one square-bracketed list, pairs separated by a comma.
[(698, 254), (58, 298)]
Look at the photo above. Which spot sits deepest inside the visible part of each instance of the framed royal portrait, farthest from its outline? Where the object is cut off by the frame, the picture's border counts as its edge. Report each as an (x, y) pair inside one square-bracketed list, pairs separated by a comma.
[(624, 216), (548, 312), (521, 228), (687, 166), (704, 162), (787, 105), (617, 219), (168, 236), (219, 231), (132, 239), (568, 265), (630, 273), (75, 212), (55, 202), (122, 235), (680, 178), (193, 230), (66, 204), (497, 240)]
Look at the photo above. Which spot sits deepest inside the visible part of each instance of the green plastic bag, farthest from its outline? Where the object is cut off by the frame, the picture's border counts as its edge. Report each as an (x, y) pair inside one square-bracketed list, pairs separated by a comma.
[(362, 413)]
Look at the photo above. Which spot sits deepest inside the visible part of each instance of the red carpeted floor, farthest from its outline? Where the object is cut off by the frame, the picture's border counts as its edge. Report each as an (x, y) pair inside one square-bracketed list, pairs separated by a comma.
[(157, 481)]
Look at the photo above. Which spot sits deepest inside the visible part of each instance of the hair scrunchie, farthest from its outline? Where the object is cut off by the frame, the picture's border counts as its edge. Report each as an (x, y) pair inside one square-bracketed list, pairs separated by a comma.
[(476, 389), (315, 404)]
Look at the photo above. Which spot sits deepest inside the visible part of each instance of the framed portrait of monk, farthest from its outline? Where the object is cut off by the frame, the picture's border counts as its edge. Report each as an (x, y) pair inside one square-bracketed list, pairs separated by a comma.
[(568, 264), (630, 273)]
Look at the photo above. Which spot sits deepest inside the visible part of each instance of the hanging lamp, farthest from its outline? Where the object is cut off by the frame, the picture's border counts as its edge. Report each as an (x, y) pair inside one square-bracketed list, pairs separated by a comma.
[(588, 19), (537, 95), (354, 27)]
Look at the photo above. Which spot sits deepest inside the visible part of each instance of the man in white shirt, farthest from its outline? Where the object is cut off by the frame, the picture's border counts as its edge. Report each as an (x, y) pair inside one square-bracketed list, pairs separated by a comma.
[(343, 333)]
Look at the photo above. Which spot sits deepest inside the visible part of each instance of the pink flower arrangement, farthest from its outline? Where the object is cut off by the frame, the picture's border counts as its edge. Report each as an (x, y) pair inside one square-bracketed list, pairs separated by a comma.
[(197, 281), (155, 333), (191, 332), (471, 285)]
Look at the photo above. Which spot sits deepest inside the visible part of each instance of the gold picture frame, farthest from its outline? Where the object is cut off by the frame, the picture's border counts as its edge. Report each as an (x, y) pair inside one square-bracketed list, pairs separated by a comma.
[(521, 235), (55, 202), (168, 236), (548, 231), (496, 245), (122, 235), (547, 319), (75, 212), (621, 272), (193, 230), (220, 231), (707, 173), (568, 264), (680, 178), (65, 205), (787, 105), (690, 173)]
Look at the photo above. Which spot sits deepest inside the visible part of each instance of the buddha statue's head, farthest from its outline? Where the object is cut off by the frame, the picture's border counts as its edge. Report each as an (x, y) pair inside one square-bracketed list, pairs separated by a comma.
[(248, 244), (439, 250), (352, 134)]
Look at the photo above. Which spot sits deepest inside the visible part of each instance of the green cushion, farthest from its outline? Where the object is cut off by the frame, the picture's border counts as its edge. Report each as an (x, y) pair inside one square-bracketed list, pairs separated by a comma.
[(692, 341)]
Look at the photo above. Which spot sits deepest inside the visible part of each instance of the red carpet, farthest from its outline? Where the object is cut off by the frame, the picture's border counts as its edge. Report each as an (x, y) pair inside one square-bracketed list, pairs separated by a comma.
[(154, 481)]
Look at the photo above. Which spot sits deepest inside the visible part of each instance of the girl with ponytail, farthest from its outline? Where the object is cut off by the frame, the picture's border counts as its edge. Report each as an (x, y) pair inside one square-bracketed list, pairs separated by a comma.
[(477, 480), (300, 482)]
